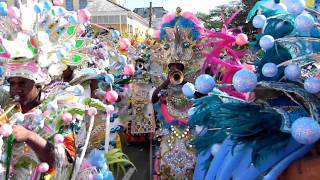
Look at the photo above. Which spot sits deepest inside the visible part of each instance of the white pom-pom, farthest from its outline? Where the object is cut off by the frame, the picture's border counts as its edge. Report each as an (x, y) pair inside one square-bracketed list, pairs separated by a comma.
[(215, 149), (199, 129), (19, 117), (110, 108)]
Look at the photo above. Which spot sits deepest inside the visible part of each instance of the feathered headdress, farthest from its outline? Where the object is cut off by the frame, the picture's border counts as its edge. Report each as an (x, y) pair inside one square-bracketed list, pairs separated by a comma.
[(179, 35)]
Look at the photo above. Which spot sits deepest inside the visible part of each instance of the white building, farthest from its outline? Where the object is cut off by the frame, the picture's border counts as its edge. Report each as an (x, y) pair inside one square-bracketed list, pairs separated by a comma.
[(109, 14)]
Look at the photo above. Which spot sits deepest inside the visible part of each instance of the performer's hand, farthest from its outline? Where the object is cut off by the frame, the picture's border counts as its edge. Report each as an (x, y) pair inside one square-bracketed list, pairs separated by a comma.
[(43, 149), (166, 83), (20, 133)]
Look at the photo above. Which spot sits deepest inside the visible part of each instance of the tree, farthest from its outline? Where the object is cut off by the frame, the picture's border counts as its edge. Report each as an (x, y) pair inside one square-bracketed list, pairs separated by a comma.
[(214, 21)]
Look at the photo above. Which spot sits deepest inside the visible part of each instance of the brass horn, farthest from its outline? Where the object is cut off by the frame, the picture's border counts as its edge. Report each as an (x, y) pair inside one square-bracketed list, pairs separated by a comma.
[(176, 77), (6, 115), (139, 65)]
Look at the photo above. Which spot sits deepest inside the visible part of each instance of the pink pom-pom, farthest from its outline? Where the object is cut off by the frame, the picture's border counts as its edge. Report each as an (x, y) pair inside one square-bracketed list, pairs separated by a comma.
[(156, 34), (126, 87), (168, 17), (129, 70), (241, 39), (43, 167), (84, 15), (5, 130), (111, 96), (85, 165), (249, 67), (124, 43), (13, 12), (14, 21), (110, 108), (58, 139), (66, 117), (92, 111), (58, 2), (90, 177), (81, 29)]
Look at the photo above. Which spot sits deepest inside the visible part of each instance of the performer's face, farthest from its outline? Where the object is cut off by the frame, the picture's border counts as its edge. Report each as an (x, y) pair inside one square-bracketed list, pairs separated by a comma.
[(67, 74), (24, 88)]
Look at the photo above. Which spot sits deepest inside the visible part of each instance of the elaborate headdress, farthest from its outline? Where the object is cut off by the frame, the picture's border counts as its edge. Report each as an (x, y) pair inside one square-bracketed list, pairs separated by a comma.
[(40, 37), (179, 35), (27, 69)]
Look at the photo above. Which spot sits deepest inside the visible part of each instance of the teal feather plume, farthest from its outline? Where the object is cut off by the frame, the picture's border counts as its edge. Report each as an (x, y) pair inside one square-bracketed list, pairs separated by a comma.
[(256, 8), (245, 123)]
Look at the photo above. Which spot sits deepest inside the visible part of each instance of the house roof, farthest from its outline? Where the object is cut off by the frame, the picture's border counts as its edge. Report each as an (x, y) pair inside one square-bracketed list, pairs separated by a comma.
[(104, 6), (110, 8), (148, 8), (119, 5)]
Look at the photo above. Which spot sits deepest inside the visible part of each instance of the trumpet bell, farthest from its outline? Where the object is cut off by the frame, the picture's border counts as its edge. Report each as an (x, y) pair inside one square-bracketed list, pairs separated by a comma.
[(176, 77), (139, 66)]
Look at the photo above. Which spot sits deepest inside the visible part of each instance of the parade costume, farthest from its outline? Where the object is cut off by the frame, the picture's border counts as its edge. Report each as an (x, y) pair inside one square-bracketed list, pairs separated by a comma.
[(261, 138), (38, 42), (142, 115), (148, 75), (106, 78), (179, 35)]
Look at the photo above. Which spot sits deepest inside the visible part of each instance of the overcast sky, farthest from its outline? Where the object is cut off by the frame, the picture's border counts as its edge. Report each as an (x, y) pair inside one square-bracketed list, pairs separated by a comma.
[(186, 5)]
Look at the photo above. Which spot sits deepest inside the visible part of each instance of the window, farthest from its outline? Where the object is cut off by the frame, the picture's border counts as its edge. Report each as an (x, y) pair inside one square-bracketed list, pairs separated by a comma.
[(83, 4), (69, 5), (113, 19), (94, 19), (123, 19)]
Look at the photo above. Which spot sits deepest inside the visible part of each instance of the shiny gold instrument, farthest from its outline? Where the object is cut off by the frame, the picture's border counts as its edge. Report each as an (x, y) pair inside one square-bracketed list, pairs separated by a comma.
[(139, 65), (176, 77), (11, 109)]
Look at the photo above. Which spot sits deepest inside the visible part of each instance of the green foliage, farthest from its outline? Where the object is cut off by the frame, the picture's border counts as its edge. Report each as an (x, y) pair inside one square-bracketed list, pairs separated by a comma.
[(95, 103), (214, 21), (118, 160)]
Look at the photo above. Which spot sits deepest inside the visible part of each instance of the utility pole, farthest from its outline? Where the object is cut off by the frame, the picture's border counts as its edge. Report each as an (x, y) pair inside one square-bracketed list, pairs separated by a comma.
[(150, 15)]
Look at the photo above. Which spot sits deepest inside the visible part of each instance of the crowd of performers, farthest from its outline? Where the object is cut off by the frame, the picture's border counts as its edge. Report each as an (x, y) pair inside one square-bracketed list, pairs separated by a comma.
[(213, 104)]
